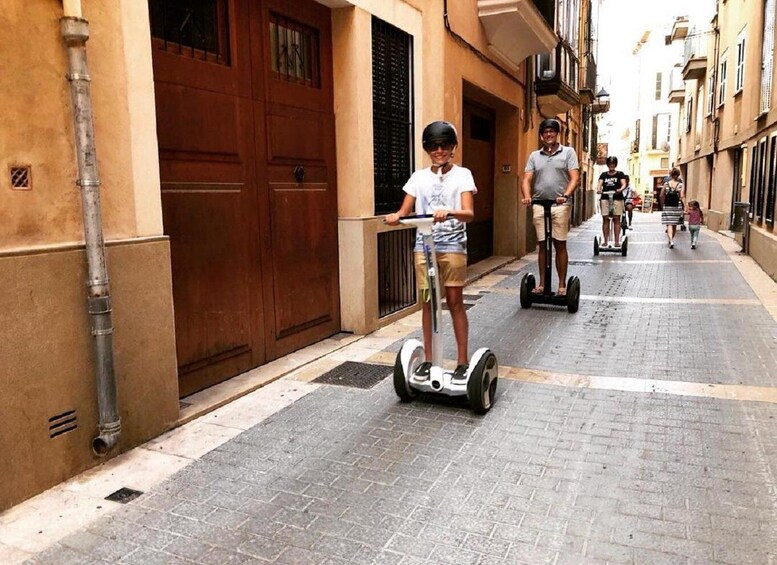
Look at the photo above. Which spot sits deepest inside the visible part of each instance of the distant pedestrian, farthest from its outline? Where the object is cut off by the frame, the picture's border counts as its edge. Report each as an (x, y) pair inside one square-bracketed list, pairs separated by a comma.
[(695, 220), (628, 195), (672, 195)]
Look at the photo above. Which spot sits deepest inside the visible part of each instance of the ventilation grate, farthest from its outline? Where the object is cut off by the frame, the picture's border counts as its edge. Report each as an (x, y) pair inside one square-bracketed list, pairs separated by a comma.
[(359, 375), (21, 178), (62, 423), (124, 495)]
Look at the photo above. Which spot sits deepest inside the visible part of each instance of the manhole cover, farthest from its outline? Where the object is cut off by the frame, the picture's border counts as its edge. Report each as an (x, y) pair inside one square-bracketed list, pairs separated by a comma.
[(124, 495), (358, 375)]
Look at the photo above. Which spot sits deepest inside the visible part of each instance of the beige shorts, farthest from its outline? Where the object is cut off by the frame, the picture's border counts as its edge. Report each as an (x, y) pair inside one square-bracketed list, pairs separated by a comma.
[(453, 269), (559, 216), (617, 207)]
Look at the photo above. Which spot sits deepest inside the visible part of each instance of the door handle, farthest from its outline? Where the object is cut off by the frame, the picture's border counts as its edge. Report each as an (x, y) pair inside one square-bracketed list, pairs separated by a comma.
[(299, 173)]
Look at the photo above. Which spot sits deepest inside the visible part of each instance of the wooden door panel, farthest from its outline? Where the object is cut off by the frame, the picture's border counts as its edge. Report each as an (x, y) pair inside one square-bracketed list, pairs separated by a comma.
[(211, 281), (302, 240), (308, 145), (205, 125)]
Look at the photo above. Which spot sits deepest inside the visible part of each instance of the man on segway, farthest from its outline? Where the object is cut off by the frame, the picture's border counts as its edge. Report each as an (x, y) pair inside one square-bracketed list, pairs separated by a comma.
[(552, 173)]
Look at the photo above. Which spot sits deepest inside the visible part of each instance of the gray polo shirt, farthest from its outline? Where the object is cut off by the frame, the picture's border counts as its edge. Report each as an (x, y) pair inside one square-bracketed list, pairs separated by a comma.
[(551, 171)]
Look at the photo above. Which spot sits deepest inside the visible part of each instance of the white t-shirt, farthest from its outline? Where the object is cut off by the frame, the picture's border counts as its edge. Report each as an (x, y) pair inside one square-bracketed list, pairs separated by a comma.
[(433, 191)]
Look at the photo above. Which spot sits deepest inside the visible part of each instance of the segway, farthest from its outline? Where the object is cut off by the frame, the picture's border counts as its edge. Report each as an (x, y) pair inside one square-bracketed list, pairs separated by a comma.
[(528, 282), (623, 248), (478, 384)]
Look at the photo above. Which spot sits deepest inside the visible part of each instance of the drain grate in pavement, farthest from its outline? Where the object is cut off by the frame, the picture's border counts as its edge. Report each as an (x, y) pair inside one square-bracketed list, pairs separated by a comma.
[(584, 263), (359, 375), (507, 272), (124, 495)]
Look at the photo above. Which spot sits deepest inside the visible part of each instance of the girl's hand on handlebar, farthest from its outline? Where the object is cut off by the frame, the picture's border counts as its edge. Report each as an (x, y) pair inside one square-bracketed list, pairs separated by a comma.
[(442, 215), (391, 219)]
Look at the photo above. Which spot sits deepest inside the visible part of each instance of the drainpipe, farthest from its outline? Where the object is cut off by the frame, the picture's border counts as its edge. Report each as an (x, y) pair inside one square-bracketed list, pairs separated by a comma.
[(75, 33)]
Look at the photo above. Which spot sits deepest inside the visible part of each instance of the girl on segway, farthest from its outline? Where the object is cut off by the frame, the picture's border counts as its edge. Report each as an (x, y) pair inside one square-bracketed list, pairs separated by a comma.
[(447, 191)]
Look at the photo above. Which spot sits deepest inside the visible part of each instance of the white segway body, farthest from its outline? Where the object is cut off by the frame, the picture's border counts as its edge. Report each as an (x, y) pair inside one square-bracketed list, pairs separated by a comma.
[(479, 383)]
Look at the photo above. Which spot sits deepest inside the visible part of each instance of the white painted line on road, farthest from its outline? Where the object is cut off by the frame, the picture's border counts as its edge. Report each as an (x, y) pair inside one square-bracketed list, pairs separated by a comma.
[(647, 300), (648, 261), (625, 384)]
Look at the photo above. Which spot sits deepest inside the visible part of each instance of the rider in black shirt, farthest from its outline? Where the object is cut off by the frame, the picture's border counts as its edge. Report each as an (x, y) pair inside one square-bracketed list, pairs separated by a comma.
[(611, 183)]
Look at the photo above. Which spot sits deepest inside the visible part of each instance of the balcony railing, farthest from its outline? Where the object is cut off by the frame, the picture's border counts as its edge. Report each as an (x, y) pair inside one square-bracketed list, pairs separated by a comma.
[(676, 85), (588, 86), (695, 54), (558, 67)]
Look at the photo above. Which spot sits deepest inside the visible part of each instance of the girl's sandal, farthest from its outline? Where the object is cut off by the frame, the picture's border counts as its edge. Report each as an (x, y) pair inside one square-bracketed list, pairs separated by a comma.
[(562, 291), (538, 290)]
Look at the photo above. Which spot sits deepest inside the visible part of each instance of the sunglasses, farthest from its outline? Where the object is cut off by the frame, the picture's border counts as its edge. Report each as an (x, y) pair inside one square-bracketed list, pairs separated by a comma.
[(435, 146)]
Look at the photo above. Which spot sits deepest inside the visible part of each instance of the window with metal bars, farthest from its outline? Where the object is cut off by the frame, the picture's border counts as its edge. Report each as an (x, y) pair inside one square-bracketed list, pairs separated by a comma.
[(771, 182), (396, 272), (198, 29), (392, 110), (761, 179), (294, 51)]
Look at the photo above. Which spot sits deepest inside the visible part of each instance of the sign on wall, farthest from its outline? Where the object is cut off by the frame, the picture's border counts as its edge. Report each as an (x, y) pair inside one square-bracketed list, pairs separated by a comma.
[(601, 153)]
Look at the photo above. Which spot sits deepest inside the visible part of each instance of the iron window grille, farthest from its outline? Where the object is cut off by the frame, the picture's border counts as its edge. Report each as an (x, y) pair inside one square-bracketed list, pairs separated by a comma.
[(396, 271), (392, 108), (771, 182), (196, 29), (294, 51)]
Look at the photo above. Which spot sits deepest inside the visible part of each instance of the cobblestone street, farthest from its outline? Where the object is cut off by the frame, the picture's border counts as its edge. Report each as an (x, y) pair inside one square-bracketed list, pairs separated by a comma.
[(642, 429)]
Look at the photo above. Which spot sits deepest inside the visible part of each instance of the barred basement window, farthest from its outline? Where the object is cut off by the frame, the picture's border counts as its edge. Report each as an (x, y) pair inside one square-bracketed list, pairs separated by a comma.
[(198, 29), (392, 107)]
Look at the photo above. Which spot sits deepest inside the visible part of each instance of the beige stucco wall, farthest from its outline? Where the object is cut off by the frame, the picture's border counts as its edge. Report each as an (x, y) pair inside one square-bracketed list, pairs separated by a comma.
[(763, 248), (46, 349), (36, 124), (46, 359)]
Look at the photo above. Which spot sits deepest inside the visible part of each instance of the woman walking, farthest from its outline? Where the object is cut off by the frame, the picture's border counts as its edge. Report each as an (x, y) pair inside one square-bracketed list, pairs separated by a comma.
[(672, 195)]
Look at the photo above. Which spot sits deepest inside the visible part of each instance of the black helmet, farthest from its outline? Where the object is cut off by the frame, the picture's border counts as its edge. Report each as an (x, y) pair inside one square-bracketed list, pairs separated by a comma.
[(439, 133), (612, 159), (550, 123)]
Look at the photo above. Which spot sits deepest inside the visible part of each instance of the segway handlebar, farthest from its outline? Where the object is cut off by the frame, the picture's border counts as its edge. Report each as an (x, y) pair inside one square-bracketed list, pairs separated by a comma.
[(544, 201)]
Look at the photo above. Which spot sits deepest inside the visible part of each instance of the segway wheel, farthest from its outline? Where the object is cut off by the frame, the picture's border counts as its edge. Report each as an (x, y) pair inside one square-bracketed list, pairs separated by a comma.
[(573, 294), (596, 245), (415, 356), (527, 286), (625, 246), (481, 386)]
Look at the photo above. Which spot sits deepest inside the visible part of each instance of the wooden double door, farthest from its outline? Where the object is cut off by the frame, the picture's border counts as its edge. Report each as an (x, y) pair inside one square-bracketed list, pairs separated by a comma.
[(246, 144)]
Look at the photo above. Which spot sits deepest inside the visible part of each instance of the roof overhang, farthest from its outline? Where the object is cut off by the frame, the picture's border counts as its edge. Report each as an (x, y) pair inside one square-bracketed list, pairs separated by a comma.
[(516, 29)]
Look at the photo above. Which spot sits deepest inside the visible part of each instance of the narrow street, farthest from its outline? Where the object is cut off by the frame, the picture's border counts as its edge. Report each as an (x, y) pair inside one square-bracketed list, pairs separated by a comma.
[(642, 429)]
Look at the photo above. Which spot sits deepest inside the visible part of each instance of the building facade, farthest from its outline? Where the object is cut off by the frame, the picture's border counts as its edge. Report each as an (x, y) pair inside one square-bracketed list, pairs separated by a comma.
[(247, 152), (728, 124)]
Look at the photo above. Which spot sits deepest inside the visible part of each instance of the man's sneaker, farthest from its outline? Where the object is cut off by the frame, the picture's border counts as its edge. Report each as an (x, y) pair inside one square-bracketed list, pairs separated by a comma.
[(693, 246), (422, 373), (671, 245), (460, 373)]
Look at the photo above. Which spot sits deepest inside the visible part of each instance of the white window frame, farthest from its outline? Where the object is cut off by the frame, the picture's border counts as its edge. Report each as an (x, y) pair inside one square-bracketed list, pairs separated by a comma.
[(722, 76), (739, 82), (710, 94)]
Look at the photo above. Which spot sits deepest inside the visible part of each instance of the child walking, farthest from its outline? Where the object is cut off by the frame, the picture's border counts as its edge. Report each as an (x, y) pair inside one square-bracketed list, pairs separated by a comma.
[(695, 220), (446, 191)]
